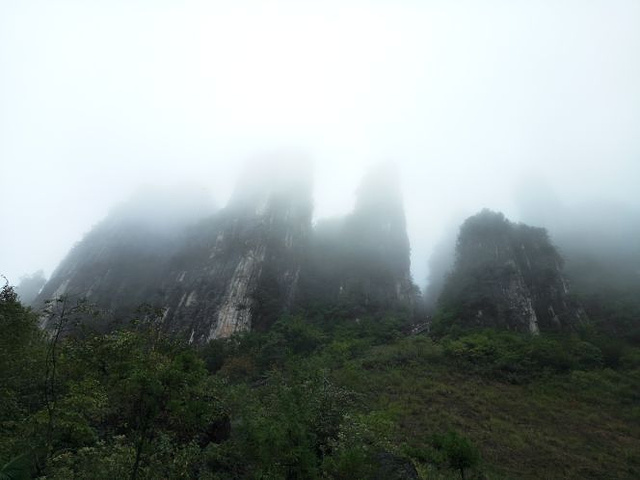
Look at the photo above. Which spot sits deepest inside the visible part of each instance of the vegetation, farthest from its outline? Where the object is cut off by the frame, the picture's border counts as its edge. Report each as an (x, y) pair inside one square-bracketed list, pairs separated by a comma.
[(316, 397)]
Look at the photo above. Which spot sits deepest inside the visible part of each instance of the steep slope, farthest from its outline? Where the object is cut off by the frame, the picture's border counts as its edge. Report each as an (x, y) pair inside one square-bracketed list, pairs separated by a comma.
[(248, 264), (440, 264), (363, 260), (240, 269), (508, 276), (231, 271), (122, 258)]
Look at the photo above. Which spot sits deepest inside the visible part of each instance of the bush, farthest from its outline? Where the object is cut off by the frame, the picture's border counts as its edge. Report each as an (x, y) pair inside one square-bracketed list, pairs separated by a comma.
[(517, 358), (459, 453)]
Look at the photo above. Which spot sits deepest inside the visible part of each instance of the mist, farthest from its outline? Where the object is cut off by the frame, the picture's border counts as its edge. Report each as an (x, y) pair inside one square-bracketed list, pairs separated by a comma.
[(529, 108)]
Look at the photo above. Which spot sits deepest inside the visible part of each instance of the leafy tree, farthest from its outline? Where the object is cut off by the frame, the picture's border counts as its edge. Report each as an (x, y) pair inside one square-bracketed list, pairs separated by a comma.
[(153, 386), (21, 355), (459, 452)]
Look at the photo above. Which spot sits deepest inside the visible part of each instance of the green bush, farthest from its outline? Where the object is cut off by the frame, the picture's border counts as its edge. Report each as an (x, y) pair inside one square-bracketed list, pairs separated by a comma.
[(520, 357), (458, 451)]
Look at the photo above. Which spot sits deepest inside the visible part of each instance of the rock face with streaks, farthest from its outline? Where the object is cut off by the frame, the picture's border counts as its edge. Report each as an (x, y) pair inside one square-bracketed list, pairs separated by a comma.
[(210, 275), (239, 269), (508, 276)]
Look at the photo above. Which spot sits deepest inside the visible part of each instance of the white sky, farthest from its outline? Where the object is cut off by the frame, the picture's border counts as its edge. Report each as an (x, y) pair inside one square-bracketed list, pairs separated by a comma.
[(467, 97)]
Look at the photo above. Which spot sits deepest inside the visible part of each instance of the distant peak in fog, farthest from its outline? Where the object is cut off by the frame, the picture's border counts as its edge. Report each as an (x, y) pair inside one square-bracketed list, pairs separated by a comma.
[(164, 206), (380, 186), (288, 173)]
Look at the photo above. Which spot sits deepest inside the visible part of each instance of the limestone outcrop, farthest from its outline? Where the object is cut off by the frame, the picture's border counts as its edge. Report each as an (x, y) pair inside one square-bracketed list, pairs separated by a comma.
[(363, 260), (510, 276), (213, 274), (239, 269)]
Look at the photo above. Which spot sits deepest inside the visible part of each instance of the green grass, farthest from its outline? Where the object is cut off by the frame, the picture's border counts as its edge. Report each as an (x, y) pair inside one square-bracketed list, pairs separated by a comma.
[(573, 425)]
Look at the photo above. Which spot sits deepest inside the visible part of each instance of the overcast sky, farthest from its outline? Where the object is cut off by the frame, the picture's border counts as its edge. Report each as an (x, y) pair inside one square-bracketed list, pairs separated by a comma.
[(469, 98)]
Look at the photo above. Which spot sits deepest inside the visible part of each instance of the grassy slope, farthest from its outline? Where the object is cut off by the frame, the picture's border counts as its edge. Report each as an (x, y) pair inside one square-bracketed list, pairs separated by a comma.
[(575, 425)]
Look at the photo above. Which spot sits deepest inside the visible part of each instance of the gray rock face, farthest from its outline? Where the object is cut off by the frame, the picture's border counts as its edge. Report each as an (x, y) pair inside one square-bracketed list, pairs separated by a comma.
[(120, 260), (234, 270), (241, 268), (246, 265), (363, 259), (30, 286), (508, 276), (377, 234)]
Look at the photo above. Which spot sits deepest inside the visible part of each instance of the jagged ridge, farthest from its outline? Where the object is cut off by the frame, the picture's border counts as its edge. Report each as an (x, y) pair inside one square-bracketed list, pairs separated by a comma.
[(248, 264)]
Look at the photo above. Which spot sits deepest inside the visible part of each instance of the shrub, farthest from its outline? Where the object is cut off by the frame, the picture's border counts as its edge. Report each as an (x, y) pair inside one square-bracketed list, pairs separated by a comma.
[(459, 452)]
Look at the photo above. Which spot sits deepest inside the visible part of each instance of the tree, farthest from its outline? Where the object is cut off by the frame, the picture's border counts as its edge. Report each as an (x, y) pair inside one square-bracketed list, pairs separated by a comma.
[(460, 452), (21, 354)]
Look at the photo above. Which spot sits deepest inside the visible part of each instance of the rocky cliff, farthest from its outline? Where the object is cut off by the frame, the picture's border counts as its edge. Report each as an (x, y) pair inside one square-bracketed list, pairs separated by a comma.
[(362, 261), (240, 269), (210, 275), (230, 271), (508, 276), (120, 261)]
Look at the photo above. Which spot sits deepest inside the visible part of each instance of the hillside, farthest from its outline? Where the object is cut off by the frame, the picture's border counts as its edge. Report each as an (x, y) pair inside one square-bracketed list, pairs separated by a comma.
[(251, 344), (316, 399)]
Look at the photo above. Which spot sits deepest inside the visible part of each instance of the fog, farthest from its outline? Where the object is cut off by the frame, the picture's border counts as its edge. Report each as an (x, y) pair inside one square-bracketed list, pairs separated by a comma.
[(529, 108)]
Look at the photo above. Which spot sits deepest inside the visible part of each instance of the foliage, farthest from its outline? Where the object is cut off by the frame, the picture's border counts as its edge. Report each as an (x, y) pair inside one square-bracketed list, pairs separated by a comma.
[(458, 451), (22, 350), (319, 397), (520, 357)]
